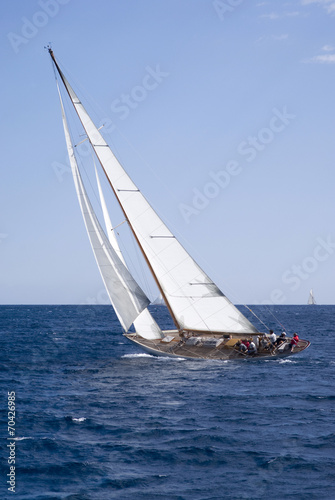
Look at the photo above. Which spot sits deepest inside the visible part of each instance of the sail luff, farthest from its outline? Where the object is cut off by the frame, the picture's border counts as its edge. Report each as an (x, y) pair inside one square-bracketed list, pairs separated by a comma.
[(193, 299)]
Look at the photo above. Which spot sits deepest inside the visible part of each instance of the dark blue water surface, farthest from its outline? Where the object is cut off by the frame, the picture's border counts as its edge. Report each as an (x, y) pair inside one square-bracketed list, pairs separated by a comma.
[(97, 419)]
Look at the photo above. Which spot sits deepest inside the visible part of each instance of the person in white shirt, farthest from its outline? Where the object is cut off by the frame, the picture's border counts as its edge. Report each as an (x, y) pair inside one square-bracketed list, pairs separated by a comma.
[(252, 348), (272, 337)]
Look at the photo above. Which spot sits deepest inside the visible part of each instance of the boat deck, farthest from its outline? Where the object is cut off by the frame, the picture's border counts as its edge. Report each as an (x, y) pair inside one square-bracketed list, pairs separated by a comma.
[(210, 347)]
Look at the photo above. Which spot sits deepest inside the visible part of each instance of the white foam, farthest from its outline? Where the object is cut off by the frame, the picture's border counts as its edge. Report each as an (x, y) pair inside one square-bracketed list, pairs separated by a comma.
[(157, 358), (139, 355)]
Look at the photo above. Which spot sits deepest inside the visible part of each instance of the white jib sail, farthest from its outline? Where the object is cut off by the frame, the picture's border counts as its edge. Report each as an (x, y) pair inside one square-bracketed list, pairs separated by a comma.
[(108, 224), (195, 300), (126, 296), (144, 324)]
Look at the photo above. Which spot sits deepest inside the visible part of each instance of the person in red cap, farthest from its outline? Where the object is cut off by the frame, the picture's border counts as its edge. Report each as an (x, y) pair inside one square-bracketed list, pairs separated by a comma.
[(294, 341)]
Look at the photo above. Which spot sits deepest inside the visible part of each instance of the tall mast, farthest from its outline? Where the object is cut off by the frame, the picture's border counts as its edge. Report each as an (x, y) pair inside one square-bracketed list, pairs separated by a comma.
[(66, 85)]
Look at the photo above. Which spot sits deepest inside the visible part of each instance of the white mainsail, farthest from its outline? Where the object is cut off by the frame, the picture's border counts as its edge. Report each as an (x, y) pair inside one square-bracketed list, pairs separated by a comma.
[(144, 324), (194, 300), (126, 296), (311, 299)]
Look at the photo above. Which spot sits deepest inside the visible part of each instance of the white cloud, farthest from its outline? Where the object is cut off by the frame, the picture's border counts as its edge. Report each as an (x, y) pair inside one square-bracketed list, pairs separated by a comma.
[(328, 48), (275, 15), (322, 59), (284, 36), (329, 5), (272, 15), (277, 38)]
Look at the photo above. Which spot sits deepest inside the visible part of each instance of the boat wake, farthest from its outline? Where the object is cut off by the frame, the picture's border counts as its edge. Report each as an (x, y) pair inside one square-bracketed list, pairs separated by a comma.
[(282, 361), (156, 358)]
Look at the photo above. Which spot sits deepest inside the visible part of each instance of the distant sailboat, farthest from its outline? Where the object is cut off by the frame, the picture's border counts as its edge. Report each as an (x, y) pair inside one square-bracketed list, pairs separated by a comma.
[(311, 299), (207, 324)]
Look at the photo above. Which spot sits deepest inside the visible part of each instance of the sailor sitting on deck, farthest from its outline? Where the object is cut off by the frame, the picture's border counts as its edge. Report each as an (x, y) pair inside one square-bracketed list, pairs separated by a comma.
[(246, 343), (294, 341), (282, 338), (264, 343), (240, 346), (252, 348)]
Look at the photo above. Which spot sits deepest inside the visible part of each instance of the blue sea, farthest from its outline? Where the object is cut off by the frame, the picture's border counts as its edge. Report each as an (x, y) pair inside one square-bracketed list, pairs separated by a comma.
[(96, 419)]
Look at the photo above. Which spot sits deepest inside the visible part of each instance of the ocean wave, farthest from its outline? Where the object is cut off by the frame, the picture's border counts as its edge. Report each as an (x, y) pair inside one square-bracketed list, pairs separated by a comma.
[(158, 429)]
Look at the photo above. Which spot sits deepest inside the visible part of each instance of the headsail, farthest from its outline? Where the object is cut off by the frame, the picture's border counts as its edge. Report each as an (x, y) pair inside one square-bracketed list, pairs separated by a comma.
[(194, 301), (108, 225), (144, 324), (126, 296)]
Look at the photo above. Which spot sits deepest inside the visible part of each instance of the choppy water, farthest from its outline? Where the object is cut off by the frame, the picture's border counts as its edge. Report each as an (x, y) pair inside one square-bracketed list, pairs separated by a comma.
[(97, 419)]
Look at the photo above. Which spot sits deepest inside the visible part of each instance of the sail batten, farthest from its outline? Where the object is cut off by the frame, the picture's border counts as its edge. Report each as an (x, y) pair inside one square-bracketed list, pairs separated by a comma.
[(201, 307)]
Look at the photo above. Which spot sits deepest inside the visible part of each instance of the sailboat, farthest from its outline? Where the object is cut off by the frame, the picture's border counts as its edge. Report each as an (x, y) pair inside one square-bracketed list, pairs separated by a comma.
[(311, 299), (207, 324)]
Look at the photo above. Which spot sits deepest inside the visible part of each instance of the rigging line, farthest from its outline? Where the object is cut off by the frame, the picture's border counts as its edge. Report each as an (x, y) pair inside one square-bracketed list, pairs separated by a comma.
[(136, 151), (83, 168), (93, 188), (74, 125), (118, 225), (141, 268), (259, 319), (78, 85), (269, 310), (124, 251)]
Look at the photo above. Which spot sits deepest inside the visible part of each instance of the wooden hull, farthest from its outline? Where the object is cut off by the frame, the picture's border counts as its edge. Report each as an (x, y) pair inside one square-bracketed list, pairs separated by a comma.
[(210, 347)]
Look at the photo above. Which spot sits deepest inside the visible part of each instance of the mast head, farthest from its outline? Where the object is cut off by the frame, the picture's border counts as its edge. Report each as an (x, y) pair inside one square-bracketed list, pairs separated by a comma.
[(49, 49)]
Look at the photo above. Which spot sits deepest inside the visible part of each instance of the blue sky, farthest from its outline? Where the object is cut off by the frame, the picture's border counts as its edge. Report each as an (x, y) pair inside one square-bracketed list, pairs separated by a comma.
[(221, 111)]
